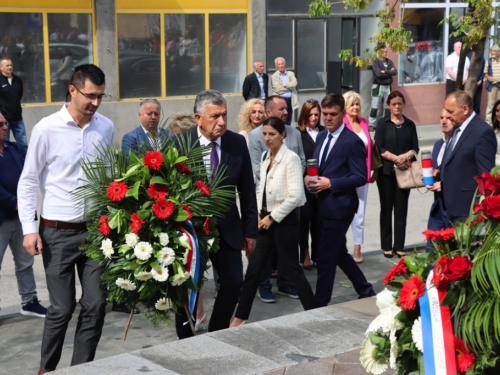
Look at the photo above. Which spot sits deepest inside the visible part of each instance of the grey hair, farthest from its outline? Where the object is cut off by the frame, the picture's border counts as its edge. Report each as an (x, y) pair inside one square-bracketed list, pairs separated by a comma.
[(183, 120), (257, 61), (495, 48), (208, 97), (279, 58), (145, 101)]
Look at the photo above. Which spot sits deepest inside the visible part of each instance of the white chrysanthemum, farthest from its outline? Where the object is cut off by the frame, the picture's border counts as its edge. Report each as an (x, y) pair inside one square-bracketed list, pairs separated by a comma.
[(180, 278), (143, 250), (185, 258), (210, 243), (386, 321), (163, 304), (131, 239), (160, 273), (416, 334), (107, 248), (166, 256), (125, 284), (163, 239), (368, 361), (184, 241), (394, 349), (385, 299), (143, 276)]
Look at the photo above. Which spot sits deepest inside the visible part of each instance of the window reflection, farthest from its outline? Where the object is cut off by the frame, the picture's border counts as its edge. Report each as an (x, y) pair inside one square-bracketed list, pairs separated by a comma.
[(185, 53), (21, 40), (70, 45), (228, 51)]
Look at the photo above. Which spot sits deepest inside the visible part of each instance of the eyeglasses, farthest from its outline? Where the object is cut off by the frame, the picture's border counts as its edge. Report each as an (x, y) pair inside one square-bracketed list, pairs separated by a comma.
[(312, 101), (4, 123), (91, 97)]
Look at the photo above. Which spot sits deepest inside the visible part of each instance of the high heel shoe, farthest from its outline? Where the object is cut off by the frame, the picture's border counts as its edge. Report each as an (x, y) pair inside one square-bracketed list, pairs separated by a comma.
[(200, 324)]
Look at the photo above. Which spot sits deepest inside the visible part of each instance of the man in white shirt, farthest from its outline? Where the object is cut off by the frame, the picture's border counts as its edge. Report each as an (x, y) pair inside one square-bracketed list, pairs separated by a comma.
[(451, 66), (284, 84), (58, 143)]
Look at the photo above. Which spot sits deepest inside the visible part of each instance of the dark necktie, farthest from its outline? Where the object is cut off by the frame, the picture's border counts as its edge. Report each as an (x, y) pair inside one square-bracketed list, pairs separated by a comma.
[(325, 150), (214, 158), (449, 150)]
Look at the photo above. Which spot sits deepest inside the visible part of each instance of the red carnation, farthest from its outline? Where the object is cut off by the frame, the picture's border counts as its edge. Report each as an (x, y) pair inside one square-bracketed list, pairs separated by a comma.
[(186, 208), (103, 219), (183, 168), (464, 357), (429, 234), (398, 269), (105, 229), (458, 268), (163, 209), (491, 207), (446, 234), (116, 191), (136, 223), (206, 226), (440, 268), (153, 160), (488, 184), (157, 191), (411, 291), (203, 188)]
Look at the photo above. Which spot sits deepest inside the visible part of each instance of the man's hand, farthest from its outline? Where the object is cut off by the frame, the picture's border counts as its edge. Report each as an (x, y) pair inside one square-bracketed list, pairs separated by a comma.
[(436, 173), (316, 186), (33, 244), (249, 246), (436, 186)]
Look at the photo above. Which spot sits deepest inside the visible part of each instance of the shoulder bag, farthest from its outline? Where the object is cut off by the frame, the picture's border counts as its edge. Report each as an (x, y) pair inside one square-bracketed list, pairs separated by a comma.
[(410, 178)]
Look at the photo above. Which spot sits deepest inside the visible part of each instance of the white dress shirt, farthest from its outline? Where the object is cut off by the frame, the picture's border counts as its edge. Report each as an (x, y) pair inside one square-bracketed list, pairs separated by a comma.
[(335, 135), (56, 148), (206, 142), (313, 133)]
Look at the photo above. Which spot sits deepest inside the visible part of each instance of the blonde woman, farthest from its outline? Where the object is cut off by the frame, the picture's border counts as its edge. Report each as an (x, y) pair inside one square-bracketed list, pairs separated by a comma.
[(252, 115)]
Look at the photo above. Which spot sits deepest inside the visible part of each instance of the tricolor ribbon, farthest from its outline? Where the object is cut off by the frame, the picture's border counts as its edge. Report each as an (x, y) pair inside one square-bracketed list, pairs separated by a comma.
[(193, 264), (437, 330)]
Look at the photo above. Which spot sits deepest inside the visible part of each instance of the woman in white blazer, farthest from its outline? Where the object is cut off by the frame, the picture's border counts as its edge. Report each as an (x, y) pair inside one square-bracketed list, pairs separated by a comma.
[(279, 193)]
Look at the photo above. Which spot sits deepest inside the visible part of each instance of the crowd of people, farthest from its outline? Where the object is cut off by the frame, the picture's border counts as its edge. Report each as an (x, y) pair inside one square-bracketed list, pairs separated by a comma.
[(287, 219)]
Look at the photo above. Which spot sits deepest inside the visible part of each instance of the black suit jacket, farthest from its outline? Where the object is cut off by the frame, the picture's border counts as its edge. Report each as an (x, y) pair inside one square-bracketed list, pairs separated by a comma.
[(308, 142), (251, 87), (474, 153), (236, 158)]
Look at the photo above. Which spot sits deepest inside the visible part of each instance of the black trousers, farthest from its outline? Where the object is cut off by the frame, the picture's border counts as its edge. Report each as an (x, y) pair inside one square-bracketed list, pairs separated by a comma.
[(450, 86), (289, 109), (309, 223), (392, 198), (285, 237), (227, 261), (60, 256)]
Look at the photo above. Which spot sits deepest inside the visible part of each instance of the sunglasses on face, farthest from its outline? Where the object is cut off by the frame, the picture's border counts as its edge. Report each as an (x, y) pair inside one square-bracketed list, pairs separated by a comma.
[(312, 101)]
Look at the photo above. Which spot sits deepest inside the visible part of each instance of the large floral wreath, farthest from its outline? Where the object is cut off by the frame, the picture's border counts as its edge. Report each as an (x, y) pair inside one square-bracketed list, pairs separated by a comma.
[(154, 223), (444, 315)]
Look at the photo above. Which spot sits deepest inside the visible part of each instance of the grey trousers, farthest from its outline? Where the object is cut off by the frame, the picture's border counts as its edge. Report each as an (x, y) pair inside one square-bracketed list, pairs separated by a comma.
[(60, 256), (11, 234)]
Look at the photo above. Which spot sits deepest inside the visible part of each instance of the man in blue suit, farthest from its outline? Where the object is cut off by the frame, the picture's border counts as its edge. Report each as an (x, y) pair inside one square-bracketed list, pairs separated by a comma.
[(342, 168), (236, 232), (470, 152), (12, 155), (144, 136)]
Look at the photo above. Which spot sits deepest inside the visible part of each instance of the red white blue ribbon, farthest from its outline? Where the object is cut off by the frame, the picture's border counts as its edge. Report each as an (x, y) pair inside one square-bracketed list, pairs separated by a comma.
[(193, 264), (437, 332), (427, 172)]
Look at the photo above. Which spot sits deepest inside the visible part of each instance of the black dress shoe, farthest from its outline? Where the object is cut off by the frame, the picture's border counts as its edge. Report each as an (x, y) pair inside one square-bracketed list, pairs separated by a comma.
[(124, 308), (307, 268)]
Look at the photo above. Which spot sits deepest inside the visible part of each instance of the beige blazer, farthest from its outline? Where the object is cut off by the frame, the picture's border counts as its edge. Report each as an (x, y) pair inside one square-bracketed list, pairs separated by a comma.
[(284, 184), (279, 88)]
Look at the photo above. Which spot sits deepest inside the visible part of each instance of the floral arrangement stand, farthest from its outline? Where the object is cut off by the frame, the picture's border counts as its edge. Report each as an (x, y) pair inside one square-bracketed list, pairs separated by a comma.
[(442, 315), (153, 224)]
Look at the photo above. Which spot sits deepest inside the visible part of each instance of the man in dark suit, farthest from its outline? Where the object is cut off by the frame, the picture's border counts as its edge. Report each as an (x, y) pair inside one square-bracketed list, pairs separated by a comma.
[(470, 152), (236, 232), (342, 168), (144, 136), (256, 83)]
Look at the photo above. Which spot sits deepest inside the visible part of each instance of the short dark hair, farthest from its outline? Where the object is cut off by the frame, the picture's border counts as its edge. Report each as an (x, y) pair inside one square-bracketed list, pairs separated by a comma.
[(276, 123), (87, 72), (395, 94), (462, 98), (331, 100), (494, 122), (269, 103)]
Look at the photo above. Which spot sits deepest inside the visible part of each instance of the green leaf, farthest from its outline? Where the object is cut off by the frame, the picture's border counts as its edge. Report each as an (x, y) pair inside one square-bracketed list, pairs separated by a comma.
[(451, 297), (180, 216), (134, 192), (180, 159), (158, 180), (115, 219)]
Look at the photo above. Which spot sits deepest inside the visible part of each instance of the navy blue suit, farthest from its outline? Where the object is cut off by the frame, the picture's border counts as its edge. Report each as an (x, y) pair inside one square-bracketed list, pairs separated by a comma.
[(7, 200), (474, 153), (345, 166), (232, 228), (136, 140)]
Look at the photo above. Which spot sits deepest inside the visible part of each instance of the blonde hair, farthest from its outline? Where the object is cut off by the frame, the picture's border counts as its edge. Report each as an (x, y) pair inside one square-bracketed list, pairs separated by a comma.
[(183, 121), (350, 97), (244, 116)]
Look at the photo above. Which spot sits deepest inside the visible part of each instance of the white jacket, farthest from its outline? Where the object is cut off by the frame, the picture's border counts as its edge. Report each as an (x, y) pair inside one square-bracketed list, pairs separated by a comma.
[(279, 88), (284, 184)]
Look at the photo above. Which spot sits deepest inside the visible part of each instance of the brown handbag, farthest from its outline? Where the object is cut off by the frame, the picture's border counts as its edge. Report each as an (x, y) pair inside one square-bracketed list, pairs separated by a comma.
[(376, 159), (410, 178)]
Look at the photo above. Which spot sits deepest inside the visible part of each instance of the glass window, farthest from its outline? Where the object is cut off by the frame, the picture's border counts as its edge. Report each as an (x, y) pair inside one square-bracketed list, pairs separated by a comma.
[(424, 61), (185, 53), (70, 45), (21, 40), (228, 51), (280, 42), (311, 59), (139, 71), (287, 7)]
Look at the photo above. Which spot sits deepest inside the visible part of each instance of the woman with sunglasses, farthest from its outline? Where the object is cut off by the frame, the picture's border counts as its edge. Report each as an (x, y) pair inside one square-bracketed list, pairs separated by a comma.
[(309, 127), (360, 127)]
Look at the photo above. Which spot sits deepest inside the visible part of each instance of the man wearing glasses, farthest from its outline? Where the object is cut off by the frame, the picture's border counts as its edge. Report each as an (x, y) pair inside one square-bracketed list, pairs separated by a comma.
[(58, 143)]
